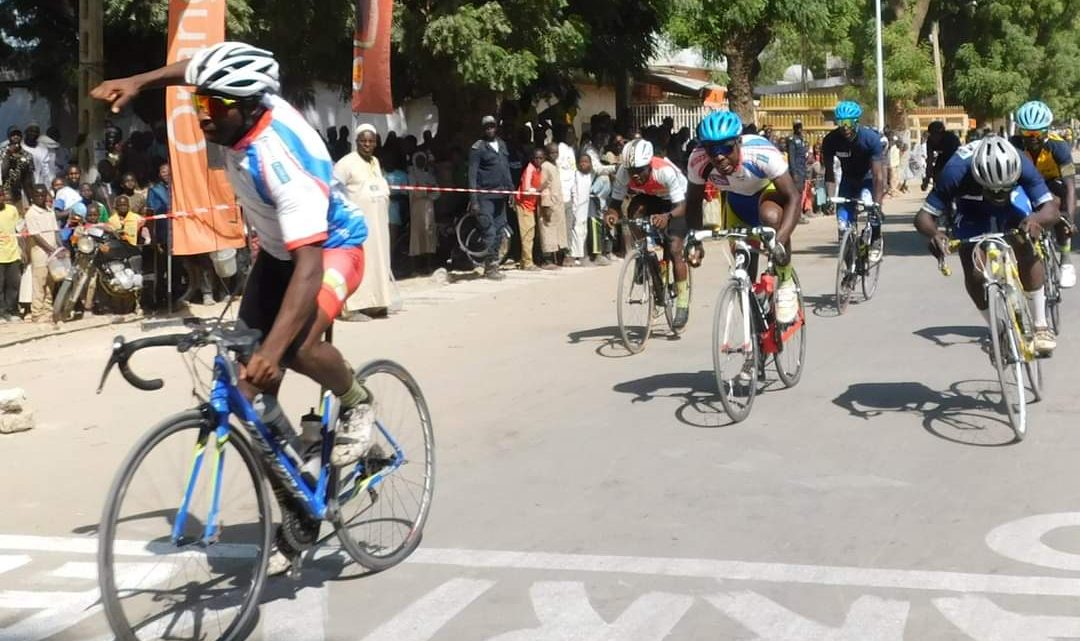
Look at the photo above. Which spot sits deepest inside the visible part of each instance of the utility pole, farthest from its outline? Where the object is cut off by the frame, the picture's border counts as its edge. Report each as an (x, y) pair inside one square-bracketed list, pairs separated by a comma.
[(880, 71), (937, 64), (91, 73)]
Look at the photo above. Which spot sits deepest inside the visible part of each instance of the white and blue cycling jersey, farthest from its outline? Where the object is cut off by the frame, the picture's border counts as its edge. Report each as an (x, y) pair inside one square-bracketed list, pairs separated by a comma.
[(283, 178), (974, 215)]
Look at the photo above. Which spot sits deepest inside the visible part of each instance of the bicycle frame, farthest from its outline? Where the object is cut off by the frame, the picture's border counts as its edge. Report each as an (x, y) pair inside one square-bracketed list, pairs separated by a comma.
[(1000, 268), (320, 501)]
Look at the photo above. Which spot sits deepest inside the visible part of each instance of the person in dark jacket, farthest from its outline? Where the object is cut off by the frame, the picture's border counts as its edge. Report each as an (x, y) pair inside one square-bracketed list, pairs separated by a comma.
[(489, 168), (940, 147), (796, 152)]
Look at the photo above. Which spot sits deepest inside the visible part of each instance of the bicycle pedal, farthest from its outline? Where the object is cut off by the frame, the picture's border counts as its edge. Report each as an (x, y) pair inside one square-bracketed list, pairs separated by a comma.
[(295, 567)]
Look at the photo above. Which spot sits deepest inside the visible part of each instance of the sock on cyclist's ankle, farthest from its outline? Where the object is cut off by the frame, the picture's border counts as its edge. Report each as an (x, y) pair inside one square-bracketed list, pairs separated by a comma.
[(682, 293), (1065, 248), (1037, 305), (356, 395)]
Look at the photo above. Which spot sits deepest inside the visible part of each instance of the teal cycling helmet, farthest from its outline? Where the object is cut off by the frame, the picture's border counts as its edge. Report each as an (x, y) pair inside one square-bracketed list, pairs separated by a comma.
[(1034, 115), (719, 125), (848, 110)]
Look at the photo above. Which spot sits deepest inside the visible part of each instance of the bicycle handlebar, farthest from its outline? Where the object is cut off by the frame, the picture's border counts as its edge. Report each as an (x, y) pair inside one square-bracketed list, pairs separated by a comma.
[(955, 244), (243, 341), (767, 234)]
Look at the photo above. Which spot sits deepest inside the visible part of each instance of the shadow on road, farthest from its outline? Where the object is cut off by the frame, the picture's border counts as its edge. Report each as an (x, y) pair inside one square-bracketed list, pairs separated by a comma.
[(698, 402), (950, 335), (610, 342), (824, 305), (968, 413)]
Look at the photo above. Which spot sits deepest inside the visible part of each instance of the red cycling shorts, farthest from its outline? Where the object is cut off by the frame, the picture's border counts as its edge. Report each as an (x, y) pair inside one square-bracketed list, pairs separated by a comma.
[(343, 269)]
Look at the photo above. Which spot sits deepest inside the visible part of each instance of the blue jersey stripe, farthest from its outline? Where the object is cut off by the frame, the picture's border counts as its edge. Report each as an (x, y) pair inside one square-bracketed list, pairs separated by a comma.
[(320, 169), (257, 175)]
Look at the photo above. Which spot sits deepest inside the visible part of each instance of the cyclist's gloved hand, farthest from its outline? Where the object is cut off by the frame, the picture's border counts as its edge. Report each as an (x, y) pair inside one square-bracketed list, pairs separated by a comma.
[(261, 370), (660, 221)]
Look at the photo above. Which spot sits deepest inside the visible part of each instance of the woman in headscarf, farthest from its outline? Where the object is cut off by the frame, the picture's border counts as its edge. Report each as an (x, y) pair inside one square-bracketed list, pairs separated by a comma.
[(423, 241), (361, 175)]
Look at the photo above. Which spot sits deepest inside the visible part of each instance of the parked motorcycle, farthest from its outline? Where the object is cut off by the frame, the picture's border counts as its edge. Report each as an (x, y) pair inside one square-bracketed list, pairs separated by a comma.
[(98, 253)]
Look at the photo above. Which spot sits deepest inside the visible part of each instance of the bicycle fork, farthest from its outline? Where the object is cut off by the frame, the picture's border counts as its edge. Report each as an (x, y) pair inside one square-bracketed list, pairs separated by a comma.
[(211, 528)]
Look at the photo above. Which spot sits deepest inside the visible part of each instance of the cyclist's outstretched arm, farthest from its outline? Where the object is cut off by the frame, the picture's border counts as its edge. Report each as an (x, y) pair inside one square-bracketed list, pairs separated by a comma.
[(121, 91), (791, 199), (877, 168)]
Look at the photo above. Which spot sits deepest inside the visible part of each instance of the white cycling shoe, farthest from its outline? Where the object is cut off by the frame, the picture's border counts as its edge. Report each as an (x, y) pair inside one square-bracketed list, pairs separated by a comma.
[(1068, 276), (356, 433), (787, 302)]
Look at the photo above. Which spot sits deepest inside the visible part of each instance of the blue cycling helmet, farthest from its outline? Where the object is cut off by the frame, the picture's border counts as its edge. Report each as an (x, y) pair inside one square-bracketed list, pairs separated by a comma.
[(1034, 115), (848, 109), (719, 125)]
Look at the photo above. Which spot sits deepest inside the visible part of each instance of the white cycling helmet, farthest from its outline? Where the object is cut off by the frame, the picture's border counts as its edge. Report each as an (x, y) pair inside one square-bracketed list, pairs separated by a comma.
[(996, 164), (234, 69), (637, 153)]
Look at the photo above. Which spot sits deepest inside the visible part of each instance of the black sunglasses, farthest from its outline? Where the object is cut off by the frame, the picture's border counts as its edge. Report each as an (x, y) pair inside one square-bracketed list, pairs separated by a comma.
[(720, 148)]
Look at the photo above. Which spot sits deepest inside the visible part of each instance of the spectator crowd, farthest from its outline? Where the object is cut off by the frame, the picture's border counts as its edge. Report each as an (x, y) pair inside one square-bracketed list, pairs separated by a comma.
[(538, 178)]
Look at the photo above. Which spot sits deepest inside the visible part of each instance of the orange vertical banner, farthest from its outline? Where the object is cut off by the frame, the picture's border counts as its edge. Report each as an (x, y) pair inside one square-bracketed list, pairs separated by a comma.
[(371, 57), (201, 196)]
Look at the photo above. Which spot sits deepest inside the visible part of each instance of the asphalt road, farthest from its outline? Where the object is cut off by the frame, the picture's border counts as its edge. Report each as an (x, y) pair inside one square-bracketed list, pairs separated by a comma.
[(583, 494)]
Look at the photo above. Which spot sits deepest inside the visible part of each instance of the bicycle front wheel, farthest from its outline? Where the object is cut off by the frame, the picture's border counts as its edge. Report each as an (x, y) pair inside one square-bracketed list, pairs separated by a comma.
[(384, 499), (1008, 359), (735, 351), (871, 271), (792, 340), (163, 573), (845, 271), (1052, 285), (635, 302)]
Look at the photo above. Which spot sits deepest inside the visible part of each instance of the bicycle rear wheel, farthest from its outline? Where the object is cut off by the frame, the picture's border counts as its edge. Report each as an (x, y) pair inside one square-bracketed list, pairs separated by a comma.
[(1008, 359), (635, 301), (871, 271), (385, 499), (791, 357), (735, 351), (845, 271), (154, 586), (1052, 284)]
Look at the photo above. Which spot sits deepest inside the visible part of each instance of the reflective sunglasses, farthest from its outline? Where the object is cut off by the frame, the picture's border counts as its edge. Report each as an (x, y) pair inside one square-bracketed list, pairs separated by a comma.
[(216, 106), (1033, 133), (848, 123), (720, 147)]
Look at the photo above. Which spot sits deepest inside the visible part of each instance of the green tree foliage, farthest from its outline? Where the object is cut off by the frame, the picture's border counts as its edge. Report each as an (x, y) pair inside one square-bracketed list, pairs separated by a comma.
[(1019, 50), (738, 31)]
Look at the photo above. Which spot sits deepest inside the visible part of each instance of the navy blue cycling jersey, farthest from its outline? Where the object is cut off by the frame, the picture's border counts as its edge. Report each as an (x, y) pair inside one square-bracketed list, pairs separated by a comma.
[(856, 156), (956, 183)]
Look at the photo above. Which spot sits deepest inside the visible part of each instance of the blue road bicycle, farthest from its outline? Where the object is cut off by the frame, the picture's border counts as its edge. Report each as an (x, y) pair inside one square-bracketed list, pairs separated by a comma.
[(188, 527)]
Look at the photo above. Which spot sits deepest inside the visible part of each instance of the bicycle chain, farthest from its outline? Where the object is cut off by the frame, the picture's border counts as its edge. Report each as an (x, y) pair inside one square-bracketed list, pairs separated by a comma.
[(298, 531)]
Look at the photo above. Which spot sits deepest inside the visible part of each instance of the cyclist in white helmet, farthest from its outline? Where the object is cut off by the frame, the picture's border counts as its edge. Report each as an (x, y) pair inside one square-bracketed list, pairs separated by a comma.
[(995, 188), (659, 189), (311, 237)]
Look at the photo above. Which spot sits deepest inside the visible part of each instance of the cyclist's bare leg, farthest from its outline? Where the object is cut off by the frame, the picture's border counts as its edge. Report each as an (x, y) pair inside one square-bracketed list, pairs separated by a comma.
[(973, 281), (1032, 270), (678, 258), (771, 213), (321, 361)]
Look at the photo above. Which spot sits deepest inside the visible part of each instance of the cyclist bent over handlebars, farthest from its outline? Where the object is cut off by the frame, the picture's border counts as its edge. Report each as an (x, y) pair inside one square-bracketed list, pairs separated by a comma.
[(659, 189)]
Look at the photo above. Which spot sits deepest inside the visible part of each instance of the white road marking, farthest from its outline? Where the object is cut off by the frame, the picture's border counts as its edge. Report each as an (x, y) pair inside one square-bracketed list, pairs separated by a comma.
[(565, 614), (301, 618), (869, 619), (1021, 540), (9, 562), (73, 545), (754, 571), (846, 576), (982, 620), (421, 620)]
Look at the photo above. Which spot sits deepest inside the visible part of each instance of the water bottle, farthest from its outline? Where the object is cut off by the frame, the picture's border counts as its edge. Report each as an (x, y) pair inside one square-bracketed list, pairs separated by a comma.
[(311, 441), (274, 418)]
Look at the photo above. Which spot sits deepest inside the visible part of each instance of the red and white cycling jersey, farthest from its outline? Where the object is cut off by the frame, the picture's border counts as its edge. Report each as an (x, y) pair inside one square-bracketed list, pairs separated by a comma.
[(665, 181)]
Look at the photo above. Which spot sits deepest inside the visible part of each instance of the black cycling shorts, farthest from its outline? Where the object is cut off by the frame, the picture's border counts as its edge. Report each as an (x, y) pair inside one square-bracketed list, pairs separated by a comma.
[(647, 205), (263, 295)]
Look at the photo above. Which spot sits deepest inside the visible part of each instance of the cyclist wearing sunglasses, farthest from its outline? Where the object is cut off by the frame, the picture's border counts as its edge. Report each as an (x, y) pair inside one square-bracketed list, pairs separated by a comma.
[(1053, 158), (659, 189), (760, 191), (862, 161), (995, 188), (310, 236)]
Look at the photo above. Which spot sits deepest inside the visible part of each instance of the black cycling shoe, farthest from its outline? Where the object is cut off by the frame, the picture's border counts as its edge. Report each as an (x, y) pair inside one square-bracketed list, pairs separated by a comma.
[(682, 316)]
